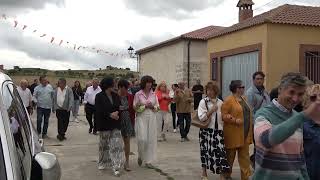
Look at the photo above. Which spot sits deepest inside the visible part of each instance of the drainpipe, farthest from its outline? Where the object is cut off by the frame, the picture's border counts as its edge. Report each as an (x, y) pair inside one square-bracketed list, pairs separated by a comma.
[(189, 42)]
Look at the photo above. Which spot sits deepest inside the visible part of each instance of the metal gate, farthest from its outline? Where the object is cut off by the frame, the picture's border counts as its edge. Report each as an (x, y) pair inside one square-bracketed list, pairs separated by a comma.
[(312, 66), (238, 67)]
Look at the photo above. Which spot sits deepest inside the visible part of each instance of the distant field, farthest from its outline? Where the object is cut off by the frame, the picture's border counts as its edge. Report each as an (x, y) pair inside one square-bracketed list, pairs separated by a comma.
[(71, 76)]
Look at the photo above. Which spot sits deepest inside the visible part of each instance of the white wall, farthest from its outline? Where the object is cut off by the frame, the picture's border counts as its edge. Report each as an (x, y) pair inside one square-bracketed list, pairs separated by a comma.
[(169, 63)]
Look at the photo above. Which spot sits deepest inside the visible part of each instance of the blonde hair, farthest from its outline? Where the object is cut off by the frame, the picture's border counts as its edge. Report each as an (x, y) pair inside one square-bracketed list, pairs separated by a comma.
[(162, 84), (311, 90)]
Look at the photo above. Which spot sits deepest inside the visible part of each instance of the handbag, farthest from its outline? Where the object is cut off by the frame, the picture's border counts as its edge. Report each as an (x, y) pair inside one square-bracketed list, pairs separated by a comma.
[(195, 121)]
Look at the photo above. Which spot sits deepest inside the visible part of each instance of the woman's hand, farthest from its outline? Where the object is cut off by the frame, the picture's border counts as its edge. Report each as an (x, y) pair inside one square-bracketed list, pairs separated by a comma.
[(313, 111), (115, 115)]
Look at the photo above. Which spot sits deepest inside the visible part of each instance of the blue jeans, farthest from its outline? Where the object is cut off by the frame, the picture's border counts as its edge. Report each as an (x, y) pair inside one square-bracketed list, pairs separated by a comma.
[(184, 120), (45, 113), (75, 108)]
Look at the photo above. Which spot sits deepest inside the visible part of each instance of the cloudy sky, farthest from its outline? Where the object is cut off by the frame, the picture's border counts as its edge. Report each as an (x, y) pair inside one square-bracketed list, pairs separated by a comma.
[(109, 25)]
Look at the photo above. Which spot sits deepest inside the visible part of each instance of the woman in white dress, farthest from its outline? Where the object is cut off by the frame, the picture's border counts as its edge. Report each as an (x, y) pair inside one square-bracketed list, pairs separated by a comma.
[(146, 105)]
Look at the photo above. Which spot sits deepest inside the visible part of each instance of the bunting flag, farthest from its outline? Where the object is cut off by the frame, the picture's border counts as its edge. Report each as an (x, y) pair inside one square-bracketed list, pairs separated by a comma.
[(97, 50), (15, 24)]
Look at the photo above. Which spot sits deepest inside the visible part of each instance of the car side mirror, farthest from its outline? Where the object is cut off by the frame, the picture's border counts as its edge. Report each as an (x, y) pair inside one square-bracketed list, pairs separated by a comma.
[(50, 166)]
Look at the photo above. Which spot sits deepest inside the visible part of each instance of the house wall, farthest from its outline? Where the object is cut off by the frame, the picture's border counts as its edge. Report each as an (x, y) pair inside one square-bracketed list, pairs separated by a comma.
[(161, 63), (243, 38), (284, 45), (170, 63)]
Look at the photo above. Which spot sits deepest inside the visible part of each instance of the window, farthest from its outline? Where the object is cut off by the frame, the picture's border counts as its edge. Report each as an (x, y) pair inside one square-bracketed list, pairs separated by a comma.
[(312, 66), (214, 67), (3, 174), (19, 128)]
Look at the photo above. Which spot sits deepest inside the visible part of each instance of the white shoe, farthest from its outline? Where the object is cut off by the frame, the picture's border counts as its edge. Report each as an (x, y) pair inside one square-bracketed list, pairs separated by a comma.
[(76, 120), (116, 173), (100, 167), (174, 130)]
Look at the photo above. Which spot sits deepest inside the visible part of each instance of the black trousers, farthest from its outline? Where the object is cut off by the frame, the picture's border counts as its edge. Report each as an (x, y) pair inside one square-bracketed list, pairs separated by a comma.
[(184, 120), (89, 109), (63, 117), (174, 114)]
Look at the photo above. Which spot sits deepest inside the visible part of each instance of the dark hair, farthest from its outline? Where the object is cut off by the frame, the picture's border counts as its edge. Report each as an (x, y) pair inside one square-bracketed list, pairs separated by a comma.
[(106, 83), (258, 73), (123, 83), (213, 86), (63, 80), (234, 85), (175, 85), (79, 84), (145, 80), (42, 77)]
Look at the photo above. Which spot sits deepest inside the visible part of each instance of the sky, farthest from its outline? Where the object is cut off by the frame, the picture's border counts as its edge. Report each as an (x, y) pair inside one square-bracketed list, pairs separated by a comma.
[(111, 25)]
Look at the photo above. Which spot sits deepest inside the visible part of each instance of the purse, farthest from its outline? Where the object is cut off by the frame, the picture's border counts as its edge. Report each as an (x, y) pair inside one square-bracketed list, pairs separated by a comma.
[(195, 121)]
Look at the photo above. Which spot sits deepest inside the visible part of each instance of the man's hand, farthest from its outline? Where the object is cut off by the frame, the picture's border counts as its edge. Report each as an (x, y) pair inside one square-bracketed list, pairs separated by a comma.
[(313, 111), (115, 115)]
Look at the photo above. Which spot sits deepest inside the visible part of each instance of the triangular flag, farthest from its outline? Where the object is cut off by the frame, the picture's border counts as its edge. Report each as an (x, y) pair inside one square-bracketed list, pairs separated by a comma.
[(15, 23), (52, 39), (60, 42), (24, 27)]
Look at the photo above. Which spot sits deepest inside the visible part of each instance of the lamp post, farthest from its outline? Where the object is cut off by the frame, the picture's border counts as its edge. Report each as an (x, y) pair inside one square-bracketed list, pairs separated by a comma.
[(134, 55)]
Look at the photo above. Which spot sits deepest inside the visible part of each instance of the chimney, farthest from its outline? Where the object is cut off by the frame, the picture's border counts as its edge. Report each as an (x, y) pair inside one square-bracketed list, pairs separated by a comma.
[(245, 9)]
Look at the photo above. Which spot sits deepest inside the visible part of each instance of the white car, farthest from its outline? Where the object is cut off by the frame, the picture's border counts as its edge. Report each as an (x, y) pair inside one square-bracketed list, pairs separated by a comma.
[(22, 156)]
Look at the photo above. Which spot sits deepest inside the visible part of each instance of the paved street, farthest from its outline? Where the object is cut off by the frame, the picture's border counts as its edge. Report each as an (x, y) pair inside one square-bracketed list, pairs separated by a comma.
[(78, 156)]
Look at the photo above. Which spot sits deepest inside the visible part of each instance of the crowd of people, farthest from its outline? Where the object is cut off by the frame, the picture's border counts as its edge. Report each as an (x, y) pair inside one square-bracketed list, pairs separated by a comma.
[(282, 124)]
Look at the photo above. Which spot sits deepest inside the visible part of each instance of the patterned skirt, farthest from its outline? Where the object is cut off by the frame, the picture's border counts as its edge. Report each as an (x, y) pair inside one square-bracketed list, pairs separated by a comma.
[(127, 129), (212, 151), (111, 153)]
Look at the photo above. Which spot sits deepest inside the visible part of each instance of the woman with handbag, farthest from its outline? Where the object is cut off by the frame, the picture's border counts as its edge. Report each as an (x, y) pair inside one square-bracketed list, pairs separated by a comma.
[(213, 154), (238, 132)]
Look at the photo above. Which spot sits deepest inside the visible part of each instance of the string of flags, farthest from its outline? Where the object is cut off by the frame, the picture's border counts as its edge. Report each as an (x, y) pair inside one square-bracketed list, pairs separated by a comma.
[(61, 42)]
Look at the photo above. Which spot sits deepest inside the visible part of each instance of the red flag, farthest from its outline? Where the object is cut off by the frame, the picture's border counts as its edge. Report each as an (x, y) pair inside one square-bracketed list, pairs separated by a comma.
[(34, 31), (15, 23), (43, 35), (4, 16), (52, 39), (24, 27), (60, 42)]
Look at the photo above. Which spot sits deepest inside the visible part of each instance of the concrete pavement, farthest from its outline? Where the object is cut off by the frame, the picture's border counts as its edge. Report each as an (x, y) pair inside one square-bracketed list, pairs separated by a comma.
[(79, 153)]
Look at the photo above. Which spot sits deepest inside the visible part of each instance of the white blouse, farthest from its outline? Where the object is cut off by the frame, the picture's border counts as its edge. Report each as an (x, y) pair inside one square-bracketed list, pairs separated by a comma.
[(202, 111)]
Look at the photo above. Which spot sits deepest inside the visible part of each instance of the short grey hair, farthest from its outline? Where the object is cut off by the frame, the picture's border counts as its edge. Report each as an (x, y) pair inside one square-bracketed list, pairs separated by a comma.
[(293, 78)]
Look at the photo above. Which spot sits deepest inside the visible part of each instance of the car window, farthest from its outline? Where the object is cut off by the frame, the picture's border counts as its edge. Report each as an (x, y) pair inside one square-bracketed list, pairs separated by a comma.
[(18, 123), (3, 174)]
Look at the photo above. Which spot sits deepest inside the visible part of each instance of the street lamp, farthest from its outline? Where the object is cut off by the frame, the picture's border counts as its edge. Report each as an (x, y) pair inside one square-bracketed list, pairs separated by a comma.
[(134, 55)]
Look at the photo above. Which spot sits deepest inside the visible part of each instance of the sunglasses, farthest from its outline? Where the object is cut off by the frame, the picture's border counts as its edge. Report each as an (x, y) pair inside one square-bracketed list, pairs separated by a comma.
[(241, 87)]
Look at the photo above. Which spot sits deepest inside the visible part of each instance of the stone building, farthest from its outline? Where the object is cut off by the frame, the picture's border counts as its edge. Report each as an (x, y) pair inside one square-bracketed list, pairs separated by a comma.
[(183, 58)]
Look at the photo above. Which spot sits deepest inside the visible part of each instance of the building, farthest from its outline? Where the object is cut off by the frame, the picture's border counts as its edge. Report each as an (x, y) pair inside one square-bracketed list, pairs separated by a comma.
[(183, 58), (281, 40)]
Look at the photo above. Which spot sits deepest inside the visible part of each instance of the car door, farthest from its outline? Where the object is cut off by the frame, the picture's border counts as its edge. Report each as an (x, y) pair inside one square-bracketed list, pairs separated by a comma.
[(20, 130)]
